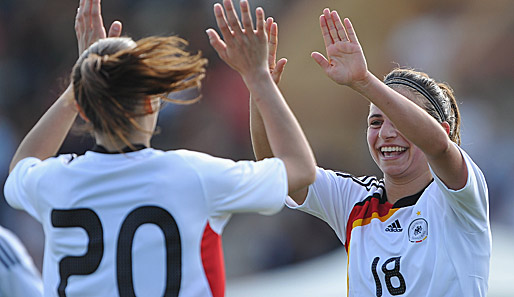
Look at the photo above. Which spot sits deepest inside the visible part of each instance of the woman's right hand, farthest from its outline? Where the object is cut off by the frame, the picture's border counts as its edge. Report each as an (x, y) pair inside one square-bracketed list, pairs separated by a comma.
[(346, 64), (242, 48)]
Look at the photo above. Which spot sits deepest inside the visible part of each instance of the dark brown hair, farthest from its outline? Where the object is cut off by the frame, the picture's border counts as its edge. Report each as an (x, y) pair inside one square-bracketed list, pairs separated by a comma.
[(113, 78), (441, 92)]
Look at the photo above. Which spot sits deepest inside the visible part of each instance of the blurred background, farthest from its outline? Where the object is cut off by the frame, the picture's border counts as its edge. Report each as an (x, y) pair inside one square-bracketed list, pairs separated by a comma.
[(467, 43)]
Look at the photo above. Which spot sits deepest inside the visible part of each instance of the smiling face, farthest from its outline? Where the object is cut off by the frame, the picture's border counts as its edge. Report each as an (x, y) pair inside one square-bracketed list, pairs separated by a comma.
[(395, 155)]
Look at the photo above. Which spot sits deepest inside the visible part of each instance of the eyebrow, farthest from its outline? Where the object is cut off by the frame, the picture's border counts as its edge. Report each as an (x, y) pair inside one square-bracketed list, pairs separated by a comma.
[(375, 115)]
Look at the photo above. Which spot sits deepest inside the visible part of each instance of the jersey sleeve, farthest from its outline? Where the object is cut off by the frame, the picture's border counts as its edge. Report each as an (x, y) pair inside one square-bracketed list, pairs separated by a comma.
[(471, 203), (20, 186), (331, 198), (244, 186), (18, 275)]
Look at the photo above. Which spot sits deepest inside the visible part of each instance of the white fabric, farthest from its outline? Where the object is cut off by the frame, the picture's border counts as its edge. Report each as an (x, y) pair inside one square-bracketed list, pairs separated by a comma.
[(446, 256), (194, 188), (18, 275)]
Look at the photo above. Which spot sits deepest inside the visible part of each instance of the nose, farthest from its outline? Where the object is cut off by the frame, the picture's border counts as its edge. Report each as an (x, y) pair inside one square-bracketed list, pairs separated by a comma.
[(387, 130)]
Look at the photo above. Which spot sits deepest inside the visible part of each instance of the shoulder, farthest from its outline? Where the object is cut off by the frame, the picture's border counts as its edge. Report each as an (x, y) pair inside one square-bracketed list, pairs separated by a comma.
[(366, 183), (207, 162), (198, 160), (370, 183), (475, 181), (10, 249)]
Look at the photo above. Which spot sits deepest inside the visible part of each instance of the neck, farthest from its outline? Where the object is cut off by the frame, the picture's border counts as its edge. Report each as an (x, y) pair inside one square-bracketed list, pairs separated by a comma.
[(137, 136), (116, 144), (397, 188)]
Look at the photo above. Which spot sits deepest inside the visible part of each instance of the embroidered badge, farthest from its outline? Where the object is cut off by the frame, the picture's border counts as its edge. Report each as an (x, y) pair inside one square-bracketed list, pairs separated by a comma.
[(418, 230)]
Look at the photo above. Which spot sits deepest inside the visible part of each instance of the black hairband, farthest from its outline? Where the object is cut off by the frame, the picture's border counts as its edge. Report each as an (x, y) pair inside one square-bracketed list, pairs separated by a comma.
[(410, 83)]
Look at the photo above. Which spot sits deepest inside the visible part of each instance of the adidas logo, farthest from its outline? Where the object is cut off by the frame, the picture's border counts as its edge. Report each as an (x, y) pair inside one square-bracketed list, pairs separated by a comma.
[(394, 227)]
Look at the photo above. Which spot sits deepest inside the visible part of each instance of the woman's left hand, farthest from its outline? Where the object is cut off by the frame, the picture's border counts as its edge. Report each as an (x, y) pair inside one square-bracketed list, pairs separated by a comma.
[(346, 64), (89, 25)]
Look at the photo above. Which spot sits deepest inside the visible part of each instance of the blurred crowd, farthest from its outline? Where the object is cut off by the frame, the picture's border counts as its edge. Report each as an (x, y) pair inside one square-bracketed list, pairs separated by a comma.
[(469, 44)]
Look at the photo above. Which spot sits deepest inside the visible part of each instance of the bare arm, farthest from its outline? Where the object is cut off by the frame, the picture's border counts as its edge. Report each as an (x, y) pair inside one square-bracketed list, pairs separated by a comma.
[(260, 144), (47, 136), (346, 65), (245, 50)]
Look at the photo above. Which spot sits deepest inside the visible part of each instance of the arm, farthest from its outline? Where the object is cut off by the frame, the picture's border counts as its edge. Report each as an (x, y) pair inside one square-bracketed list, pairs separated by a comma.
[(245, 50), (346, 65), (47, 136), (260, 144)]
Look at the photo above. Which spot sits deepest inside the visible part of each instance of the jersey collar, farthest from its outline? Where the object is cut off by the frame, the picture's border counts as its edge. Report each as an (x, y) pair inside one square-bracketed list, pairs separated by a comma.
[(136, 147), (409, 200)]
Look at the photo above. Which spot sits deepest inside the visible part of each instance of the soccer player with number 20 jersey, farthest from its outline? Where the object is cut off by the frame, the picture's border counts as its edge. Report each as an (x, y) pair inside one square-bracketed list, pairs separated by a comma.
[(125, 219)]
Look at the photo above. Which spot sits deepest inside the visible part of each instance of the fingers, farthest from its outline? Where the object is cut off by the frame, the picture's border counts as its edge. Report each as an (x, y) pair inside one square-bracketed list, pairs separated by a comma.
[(222, 22), (327, 38), (276, 74), (232, 18), (246, 17), (79, 18), (272, 44), (115, 29), (86, 12), (96, 16), (216, 42), (331, 26), (259, 15), (339, 25), (321, 60), (281, 64), (333, 29), (349, 29), (269, 22)]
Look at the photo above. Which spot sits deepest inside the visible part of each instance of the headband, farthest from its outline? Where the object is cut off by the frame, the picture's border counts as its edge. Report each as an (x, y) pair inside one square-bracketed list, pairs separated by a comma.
[(410, 83)]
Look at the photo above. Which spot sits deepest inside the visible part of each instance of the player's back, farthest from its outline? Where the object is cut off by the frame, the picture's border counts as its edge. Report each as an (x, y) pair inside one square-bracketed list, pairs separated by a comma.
[(146, 223)]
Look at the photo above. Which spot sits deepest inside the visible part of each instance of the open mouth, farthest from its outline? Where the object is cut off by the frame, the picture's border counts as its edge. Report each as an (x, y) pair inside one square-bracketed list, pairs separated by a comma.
[(392, 151)]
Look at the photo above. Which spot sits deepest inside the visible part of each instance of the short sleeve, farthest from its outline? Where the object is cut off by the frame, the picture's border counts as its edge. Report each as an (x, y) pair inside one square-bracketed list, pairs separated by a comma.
[(20, 186), (244, 186), (331, 198), (18, 275), (471, 203)]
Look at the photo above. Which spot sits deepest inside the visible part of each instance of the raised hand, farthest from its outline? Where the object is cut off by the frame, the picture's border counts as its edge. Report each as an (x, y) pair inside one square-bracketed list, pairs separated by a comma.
[(276, 68), (242, 48), (89, 25), (346, 64)]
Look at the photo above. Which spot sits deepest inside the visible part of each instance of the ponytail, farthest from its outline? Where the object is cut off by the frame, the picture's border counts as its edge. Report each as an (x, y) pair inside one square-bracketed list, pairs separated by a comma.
[(115, 76)]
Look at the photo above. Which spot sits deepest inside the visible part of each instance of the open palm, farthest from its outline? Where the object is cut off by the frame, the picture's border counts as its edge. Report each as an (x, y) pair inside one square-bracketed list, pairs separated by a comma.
[(346, 64), (242, 48), (89, 26)]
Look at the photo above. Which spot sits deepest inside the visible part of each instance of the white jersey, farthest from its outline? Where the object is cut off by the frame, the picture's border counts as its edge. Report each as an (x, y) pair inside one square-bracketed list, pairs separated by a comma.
[(434, 243), (18, 275), (143, 223)]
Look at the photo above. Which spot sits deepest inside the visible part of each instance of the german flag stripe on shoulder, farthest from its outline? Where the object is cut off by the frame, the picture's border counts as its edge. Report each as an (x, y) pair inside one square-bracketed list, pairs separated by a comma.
[(373, 207)]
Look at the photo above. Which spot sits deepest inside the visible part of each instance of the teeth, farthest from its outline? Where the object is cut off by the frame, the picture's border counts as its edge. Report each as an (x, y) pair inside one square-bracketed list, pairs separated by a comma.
[(388, 149)]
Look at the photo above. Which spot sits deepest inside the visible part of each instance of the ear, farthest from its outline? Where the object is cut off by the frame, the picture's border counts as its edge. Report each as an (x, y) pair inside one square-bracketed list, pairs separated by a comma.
[(81, 112), (148, 105), (446, 127)]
